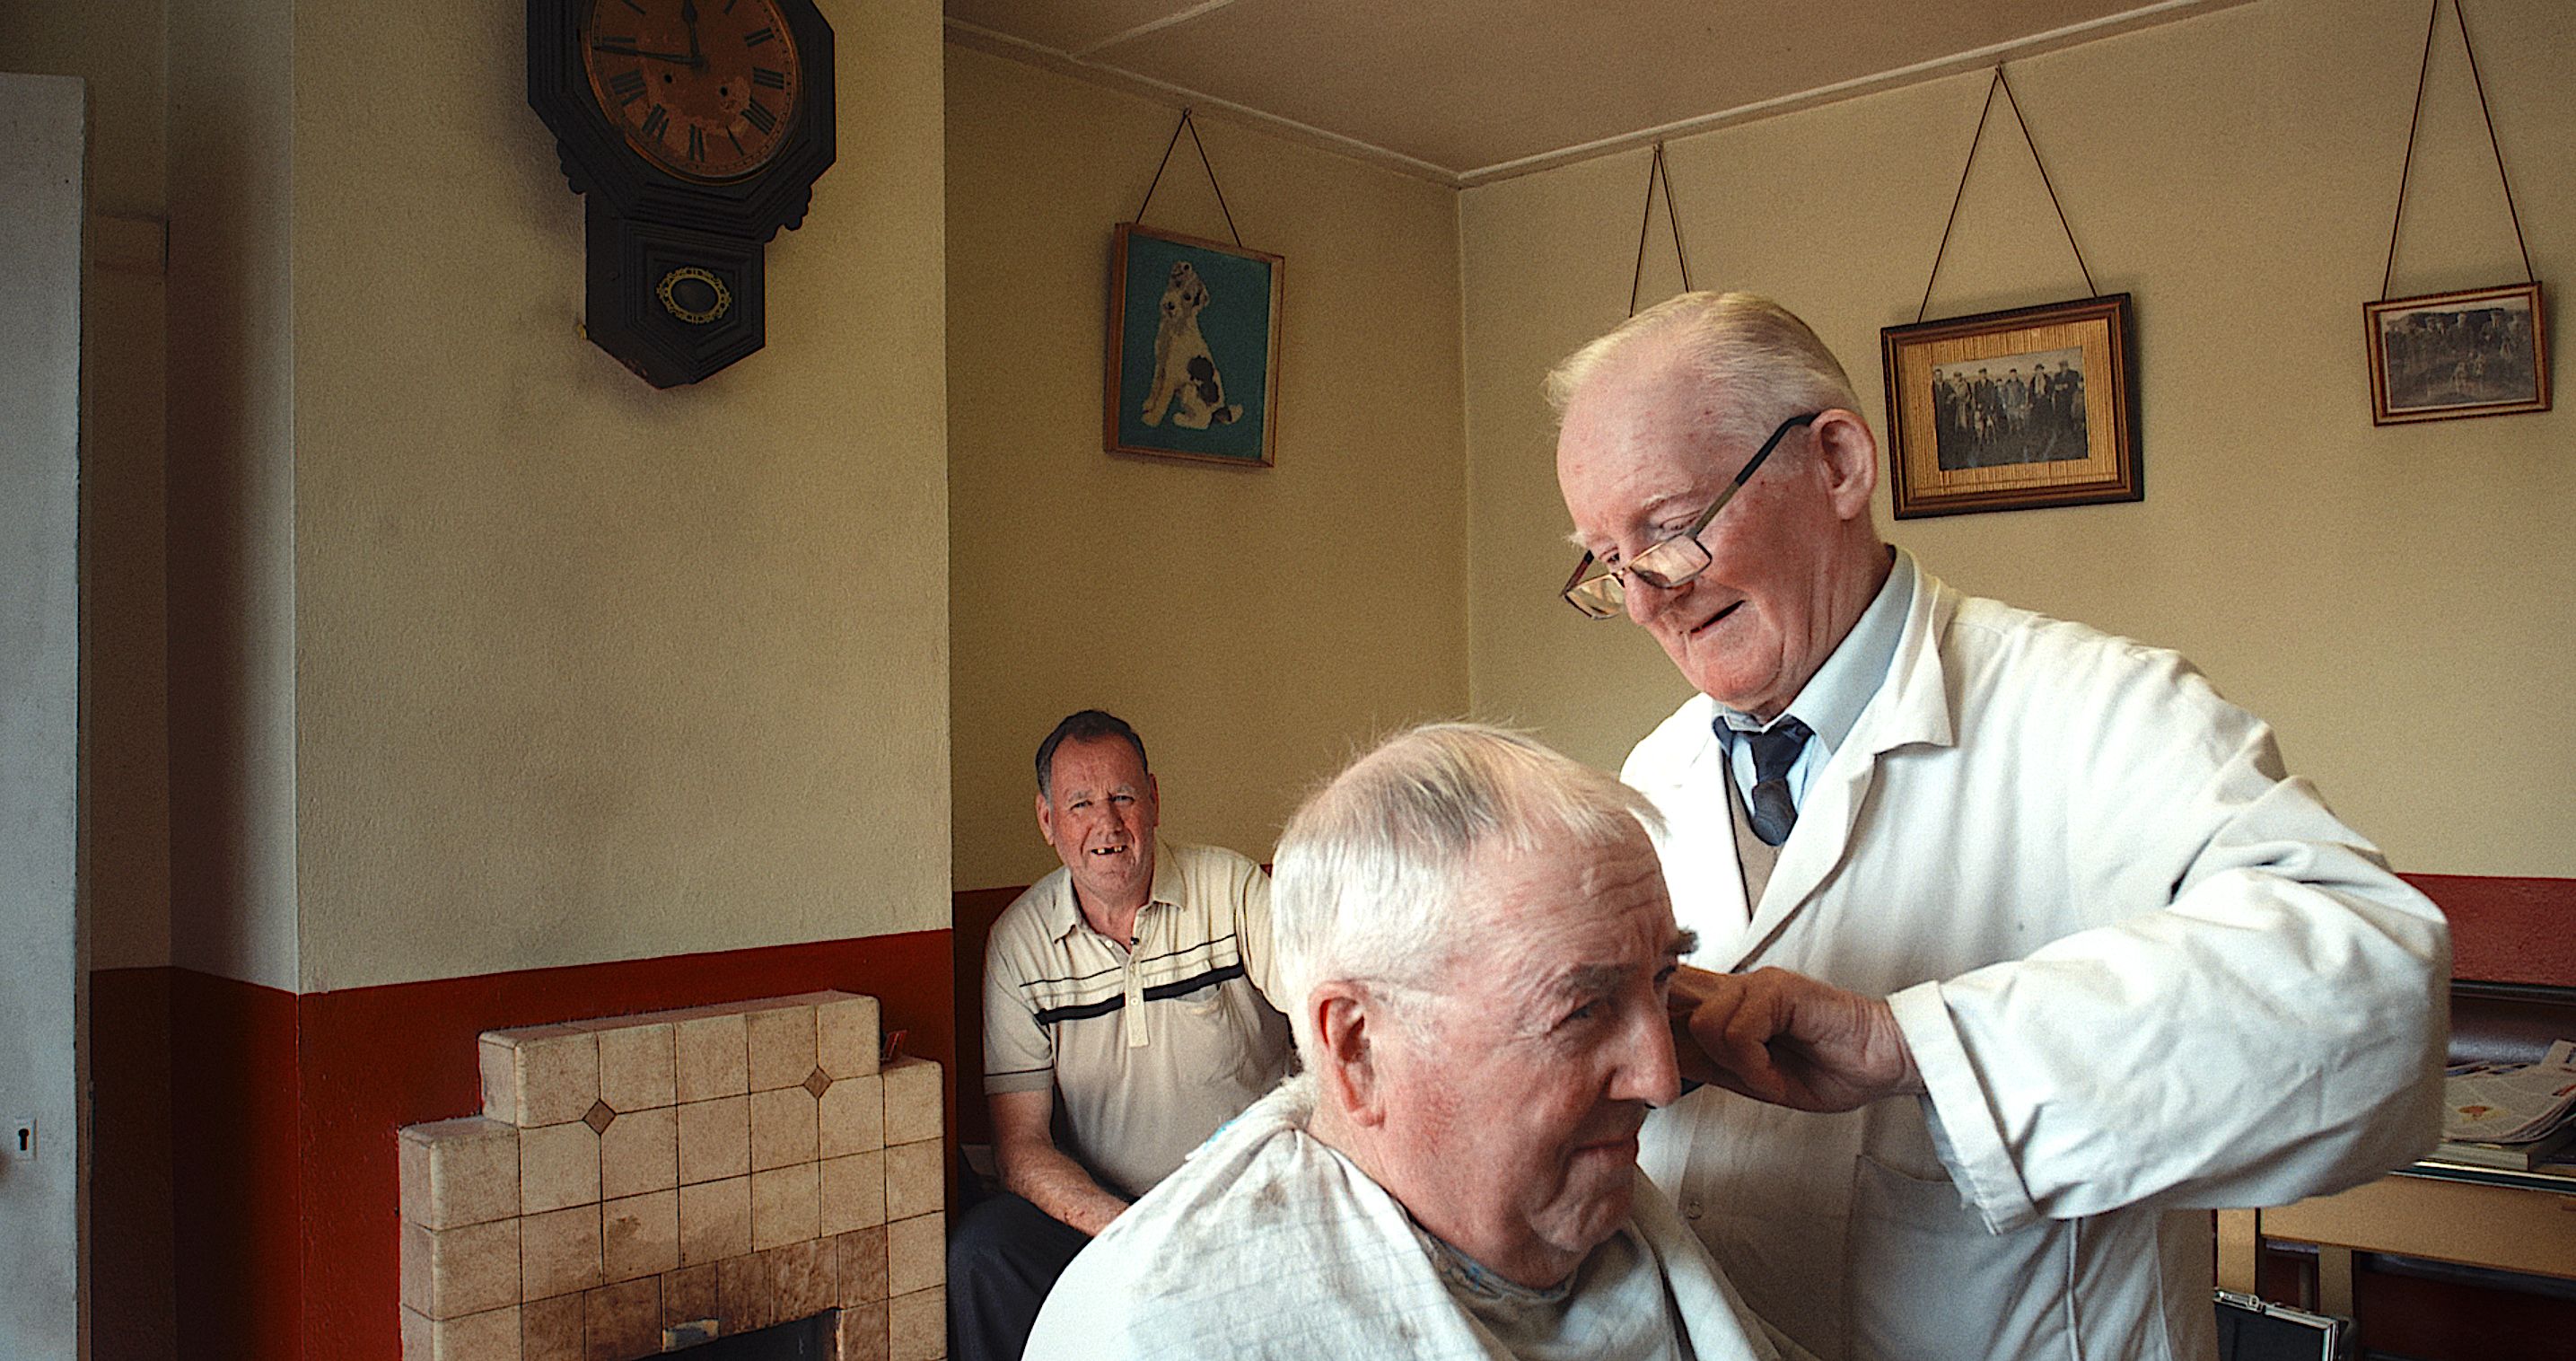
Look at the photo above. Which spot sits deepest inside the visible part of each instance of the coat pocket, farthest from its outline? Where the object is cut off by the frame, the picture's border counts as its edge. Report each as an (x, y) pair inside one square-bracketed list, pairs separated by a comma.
[(1924, 1279)]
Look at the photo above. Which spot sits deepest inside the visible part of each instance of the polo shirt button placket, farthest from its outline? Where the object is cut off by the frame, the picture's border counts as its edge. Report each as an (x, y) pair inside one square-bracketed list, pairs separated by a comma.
[(1135, 989)]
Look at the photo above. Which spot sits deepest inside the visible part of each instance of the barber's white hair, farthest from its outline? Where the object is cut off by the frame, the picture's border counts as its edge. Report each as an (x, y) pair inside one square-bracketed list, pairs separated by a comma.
[(1368, 881), (1759, 354)]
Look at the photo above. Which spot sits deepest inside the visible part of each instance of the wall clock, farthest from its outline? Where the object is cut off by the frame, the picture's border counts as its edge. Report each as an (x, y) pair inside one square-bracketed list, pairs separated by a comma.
[(694, 130)]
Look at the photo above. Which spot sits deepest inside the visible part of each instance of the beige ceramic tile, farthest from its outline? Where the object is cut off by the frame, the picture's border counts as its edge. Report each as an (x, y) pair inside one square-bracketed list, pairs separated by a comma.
[(449, 1273), (916, 1253), (639, 1235), (715, 1139), (746, 1297), (853, 1192), (846, 1036), (459, 1172), (688, 1295), (559, 1252), (711, 1056), (912, 1109), (860, 1266), (861, 1332), (806, 1273), (492, 1335), (781, 1042), (558, 1167), (785, 1206), (782, 1128), (550, 1329), (640, 1152), (915, 1182), (917, 1326), (851, 1116), (715, 1220), (548, 1074), (622, 1322), (498, 1065), (637, 1066)]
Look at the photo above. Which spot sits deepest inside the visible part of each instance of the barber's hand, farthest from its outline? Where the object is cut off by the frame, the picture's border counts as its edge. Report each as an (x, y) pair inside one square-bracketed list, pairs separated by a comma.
[(1788, 1039)]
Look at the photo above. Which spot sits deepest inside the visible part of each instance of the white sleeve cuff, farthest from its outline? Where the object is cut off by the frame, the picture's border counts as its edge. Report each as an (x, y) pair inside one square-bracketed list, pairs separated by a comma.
[(1963, 1123)]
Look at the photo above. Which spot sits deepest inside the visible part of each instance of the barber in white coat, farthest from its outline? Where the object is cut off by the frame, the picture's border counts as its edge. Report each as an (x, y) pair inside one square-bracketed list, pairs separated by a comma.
[(2028, 950)]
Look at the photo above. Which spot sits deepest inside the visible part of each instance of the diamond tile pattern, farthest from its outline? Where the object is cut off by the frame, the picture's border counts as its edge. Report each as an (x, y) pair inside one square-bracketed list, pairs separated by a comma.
[(637, 1181)]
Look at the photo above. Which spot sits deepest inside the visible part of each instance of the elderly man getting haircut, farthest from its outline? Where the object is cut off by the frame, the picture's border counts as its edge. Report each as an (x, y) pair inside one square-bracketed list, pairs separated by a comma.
[(2030, 925), (1474, 947)]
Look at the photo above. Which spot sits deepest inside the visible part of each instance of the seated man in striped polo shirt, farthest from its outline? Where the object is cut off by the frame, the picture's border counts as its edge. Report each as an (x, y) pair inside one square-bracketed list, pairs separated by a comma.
[(1125, 1019)]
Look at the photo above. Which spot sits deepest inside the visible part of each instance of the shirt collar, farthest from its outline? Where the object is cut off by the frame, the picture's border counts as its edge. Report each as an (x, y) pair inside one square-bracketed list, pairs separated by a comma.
[(1065, 911), (1831, 701)]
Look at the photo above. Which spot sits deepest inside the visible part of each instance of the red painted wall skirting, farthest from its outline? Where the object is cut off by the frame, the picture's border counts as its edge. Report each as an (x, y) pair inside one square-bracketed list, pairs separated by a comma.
[(236, 1283), (131, 1307), (376, 1059), (279, 1111), (2507, 930)]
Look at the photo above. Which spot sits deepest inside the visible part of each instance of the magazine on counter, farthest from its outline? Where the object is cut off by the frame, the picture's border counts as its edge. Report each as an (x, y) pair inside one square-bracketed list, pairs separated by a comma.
[(2510, 1115)]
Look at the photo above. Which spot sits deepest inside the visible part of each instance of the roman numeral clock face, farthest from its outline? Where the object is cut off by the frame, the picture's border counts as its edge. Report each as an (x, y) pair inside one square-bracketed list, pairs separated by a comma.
[(704, 89)]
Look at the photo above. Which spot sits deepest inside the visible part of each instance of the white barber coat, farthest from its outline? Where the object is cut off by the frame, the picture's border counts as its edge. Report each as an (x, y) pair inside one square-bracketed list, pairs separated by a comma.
[(2143, 972)]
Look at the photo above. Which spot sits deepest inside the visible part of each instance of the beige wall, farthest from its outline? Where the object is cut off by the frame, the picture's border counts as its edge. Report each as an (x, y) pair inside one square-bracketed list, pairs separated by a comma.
[(1253, 624), (482, 655), (2399, 602), (585, 670), (116, 46), (231, 487)]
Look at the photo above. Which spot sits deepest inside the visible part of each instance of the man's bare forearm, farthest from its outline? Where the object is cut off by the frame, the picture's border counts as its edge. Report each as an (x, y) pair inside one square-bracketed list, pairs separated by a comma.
[(1043, 1176)]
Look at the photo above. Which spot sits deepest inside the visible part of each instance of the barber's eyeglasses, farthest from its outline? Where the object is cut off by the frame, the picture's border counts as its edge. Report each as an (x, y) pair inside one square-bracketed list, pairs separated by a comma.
[(1600, 589)]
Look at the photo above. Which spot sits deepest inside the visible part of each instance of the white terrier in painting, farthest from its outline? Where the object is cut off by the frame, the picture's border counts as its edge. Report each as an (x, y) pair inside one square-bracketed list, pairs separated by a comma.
[(1183, 367)]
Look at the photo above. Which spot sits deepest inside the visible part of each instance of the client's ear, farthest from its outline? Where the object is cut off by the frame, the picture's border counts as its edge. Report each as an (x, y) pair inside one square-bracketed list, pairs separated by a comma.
[(1346, 1021)]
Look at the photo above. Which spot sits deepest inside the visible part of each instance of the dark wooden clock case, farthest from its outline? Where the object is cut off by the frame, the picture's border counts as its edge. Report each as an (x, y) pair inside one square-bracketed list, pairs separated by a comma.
[(643, 226)]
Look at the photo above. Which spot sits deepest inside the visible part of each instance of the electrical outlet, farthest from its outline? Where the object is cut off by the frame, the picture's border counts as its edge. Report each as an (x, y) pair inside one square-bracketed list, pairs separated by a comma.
[(21, 1145)]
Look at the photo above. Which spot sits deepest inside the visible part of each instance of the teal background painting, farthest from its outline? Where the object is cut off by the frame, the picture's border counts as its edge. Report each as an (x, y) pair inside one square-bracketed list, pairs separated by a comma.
[(1236, 324)]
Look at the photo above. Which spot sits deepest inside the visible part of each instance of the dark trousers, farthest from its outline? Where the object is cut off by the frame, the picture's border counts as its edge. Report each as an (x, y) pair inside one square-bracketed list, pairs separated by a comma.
[(1002, 1260)]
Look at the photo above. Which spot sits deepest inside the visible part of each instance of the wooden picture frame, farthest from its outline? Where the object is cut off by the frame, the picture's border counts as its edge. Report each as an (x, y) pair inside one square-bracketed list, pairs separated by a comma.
[(2445, 356), (1193, 367), (2012, 410)]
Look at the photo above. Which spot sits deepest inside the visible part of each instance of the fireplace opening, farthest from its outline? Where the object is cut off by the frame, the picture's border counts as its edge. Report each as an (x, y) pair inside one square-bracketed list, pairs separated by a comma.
[(807, 1339)]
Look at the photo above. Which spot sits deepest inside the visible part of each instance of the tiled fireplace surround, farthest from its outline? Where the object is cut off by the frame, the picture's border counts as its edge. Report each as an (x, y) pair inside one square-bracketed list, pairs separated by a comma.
[(638, 1184)]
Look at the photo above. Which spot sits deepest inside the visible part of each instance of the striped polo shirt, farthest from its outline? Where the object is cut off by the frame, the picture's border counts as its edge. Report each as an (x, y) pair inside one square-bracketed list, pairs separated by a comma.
[(1148, 1050)]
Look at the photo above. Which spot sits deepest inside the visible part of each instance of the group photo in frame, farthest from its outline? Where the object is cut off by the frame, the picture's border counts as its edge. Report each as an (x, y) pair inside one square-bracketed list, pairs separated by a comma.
[(2443, 356), (1193, 349), (2012, 410)]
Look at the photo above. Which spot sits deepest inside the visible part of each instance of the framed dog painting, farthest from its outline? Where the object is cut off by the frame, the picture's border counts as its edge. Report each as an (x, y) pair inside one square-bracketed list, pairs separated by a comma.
[(1193, 349)]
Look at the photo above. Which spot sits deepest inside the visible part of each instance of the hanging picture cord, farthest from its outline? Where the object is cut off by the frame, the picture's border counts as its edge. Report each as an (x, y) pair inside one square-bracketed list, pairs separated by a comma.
[(1657, 170), (1193, 130), (2432, 22), (2006, 86)]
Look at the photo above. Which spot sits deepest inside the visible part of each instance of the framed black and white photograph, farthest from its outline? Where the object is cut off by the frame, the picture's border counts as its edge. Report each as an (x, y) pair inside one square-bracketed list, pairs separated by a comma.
[(1193, 349), (2012, 410), (2477, 352)]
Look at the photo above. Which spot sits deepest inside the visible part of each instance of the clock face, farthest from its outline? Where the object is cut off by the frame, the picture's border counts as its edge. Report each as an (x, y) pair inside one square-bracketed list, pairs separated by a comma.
[(704, 89)]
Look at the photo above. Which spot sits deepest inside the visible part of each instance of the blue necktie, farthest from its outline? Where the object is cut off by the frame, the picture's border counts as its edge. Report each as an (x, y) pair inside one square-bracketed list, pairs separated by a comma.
[(1773, 813)]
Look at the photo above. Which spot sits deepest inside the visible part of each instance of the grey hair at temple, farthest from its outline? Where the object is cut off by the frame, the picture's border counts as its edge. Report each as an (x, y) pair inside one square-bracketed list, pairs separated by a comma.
[(1369, 877), (1769, 364)]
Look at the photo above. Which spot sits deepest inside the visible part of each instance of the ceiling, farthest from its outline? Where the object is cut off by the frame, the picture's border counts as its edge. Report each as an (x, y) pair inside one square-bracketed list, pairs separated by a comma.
[(1468, 91)]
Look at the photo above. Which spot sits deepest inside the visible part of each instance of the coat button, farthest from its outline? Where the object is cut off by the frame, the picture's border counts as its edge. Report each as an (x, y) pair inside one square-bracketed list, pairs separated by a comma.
[(1692, 1207)]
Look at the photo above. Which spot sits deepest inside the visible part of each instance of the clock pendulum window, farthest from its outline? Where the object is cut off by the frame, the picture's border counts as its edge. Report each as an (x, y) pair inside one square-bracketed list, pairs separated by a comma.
[(694, 130)]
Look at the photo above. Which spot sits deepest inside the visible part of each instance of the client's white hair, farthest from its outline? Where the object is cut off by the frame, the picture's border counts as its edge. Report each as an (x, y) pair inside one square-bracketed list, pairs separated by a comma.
[(1767, 361), (1369, 877)]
